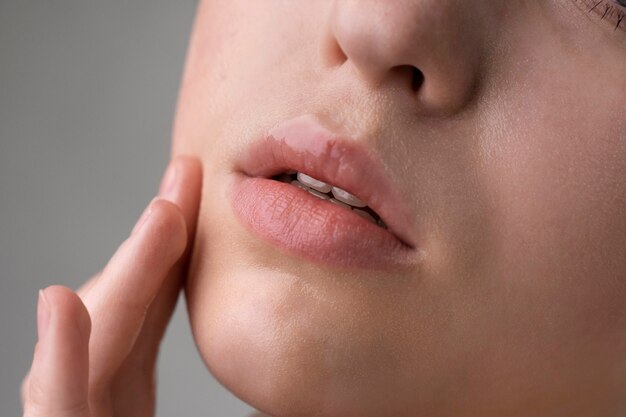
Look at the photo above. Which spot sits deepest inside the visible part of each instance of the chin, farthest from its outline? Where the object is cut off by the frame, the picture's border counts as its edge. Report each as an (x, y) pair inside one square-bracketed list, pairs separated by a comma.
[(296, 339), (291, 349)]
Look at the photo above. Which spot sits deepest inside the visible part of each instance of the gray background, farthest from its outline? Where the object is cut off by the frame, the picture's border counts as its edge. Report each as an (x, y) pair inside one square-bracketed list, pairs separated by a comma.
[(87, 98)]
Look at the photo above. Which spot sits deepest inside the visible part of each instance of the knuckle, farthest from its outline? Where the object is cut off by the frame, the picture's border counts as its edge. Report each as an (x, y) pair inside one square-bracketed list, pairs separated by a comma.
[(34, 391), (99, 394), (37, 400), (39, 409)]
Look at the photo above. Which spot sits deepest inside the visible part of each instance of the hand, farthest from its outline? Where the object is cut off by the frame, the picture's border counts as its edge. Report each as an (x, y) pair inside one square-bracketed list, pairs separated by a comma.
[(97, 348)]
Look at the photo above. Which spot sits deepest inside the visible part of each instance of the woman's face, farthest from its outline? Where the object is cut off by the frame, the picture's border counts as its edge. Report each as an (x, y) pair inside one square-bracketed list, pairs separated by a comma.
[(507, 152)]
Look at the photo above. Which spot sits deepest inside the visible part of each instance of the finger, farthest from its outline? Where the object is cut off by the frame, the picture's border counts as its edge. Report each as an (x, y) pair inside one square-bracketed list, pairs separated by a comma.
[(58, 379), (182, 170), (184, 188), (84, 289), (139, 367), (181, 185), (120, 296), (185, 194)]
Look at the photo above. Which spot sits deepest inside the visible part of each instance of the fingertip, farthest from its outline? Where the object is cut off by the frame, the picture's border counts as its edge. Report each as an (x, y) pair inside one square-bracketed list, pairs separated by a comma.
[(189, 181), (166, 226), (182, 178), (189, 162), (189, 195), (59, 374), (67, 306)]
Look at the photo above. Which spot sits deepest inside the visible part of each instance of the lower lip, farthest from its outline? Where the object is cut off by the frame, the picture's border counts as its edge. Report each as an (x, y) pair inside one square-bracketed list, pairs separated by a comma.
[(314, 229)]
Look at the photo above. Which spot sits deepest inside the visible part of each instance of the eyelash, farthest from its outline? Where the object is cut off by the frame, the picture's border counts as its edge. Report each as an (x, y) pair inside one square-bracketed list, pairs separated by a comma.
[(612, 9)]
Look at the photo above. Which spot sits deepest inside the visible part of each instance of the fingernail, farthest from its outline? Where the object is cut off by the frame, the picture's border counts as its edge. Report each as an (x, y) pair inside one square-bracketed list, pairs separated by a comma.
[(167, 188), (144, 217), (43, 315)]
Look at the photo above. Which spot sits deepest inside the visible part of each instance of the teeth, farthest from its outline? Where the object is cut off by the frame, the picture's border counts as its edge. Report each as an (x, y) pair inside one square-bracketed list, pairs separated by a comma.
[(300, 185), (313, 183), (318, 194), (346, 197), (365, 215), (342, 197), (305, 188), (339, 203)]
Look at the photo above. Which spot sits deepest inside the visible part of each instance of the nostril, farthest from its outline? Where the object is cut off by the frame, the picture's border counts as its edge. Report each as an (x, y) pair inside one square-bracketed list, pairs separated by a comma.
[(417, 78), (406, 72)]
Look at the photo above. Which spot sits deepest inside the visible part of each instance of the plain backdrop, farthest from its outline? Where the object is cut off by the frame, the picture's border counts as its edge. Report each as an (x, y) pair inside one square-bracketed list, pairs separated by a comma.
[(87, 98)]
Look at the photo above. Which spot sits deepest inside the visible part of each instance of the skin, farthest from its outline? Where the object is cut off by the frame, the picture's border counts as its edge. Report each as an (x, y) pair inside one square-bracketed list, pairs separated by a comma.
[(510, 154)]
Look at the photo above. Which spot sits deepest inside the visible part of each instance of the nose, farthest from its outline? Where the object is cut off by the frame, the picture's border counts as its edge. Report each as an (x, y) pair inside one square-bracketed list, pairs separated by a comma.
[(432, 47)]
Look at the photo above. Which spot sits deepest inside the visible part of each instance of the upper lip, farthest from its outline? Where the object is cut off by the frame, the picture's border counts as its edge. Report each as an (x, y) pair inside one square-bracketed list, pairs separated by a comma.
[(303, 144)]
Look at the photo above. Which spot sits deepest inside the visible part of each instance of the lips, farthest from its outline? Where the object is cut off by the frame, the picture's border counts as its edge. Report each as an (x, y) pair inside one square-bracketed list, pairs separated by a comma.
[(313, 228)]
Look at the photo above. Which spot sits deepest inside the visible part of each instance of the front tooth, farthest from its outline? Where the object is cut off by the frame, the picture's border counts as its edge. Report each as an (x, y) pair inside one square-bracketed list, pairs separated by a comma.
[(313, 183), (340, 204), (346, 197), (305, 188)]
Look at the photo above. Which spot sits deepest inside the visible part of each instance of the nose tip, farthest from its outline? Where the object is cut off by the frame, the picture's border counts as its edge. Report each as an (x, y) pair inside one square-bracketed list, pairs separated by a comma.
[(433, 55)]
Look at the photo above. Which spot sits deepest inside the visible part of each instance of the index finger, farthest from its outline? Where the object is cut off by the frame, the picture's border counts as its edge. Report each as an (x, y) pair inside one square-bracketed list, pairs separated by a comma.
[(122, 293), (188, 200)]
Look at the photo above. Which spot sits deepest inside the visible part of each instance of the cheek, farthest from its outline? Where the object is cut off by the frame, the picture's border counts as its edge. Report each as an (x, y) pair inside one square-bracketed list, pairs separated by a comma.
[(556, 177)]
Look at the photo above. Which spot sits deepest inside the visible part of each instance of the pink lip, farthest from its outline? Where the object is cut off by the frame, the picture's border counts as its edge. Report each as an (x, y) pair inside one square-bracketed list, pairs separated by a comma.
[(305, 225)]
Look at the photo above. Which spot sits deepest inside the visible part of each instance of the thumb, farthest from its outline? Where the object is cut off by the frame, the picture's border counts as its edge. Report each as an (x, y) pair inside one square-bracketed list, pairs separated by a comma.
[(58, 381)]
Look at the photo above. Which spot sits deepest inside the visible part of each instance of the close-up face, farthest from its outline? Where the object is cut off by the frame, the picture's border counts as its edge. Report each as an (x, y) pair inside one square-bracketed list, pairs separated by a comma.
[(488, 141)]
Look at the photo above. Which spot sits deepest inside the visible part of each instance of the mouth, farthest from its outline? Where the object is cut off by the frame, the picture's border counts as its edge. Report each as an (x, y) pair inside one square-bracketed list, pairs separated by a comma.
[(323, 197), (332, 194)]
